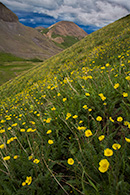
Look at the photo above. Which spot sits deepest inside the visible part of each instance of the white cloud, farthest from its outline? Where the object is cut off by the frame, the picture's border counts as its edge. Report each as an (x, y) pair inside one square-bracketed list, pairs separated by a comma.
[(85, 12), (22, 20)]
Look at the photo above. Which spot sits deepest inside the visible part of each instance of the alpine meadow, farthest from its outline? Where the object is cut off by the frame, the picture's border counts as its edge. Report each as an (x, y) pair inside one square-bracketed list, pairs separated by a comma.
[(65, 124)]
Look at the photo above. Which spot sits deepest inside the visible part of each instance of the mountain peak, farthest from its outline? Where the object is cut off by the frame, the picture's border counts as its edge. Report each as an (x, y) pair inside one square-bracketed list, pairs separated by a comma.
[(6, 14), (69, 28)]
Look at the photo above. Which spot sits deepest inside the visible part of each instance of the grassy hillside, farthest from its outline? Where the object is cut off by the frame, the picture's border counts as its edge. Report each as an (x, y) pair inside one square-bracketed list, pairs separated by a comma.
[(68, 41), (12, 66), (65, 124)]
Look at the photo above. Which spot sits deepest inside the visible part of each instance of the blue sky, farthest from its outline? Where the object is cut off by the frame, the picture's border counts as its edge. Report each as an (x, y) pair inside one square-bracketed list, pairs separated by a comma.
[(88, 14)]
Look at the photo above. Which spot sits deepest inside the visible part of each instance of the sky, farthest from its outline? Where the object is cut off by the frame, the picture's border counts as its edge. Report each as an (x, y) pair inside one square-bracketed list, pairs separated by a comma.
[(90, 15)]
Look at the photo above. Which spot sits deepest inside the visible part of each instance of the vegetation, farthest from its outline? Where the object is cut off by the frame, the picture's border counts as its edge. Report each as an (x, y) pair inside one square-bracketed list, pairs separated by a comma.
[(44, 31), (6, 57), (68, 40), (65, 124), (12, 66)]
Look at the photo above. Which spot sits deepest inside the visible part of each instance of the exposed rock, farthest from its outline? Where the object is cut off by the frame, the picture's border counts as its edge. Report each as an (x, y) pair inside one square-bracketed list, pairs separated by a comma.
[(6, 14), (65, 28)]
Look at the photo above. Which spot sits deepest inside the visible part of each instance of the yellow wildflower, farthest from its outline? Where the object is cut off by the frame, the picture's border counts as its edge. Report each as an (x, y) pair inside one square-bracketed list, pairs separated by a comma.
[(32, 122), (23, 183), (80, 121), (99, 118), (101, 137), (81, 128), (126, 123), (49, 131), (116, 146), (75, 116), (36, 161), (29, 130), (87, 94), (16, 156), (6, 158), (14, 125), (88, 133), (53, 108), (2, 146), (64, 99), (50, 141), (85, 107), (119, 119), (127, 139), (127, 78), (28, 180), (2, 121), (111, 119), (70, 161), (108, 152), (48, 120), (22, 130), (8, 141), (125, 94), (68, 115), (116, 85), (30, 157), (2, 131), (103, 165), (58, 94)]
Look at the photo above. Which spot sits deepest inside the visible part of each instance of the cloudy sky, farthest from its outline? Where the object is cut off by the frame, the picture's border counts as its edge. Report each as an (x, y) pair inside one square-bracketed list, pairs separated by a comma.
[(88, 14)]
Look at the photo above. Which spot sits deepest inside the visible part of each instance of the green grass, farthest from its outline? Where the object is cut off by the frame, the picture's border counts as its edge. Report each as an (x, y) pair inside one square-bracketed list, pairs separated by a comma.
[(44, 31), (50, 128), (6, 57), (68, 40), (12, 66)]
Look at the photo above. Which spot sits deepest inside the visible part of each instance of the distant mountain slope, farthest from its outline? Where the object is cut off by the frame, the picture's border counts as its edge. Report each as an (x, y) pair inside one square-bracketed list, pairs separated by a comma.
[(97, 48), (65, 33), (6, 14), (21, 40), (65, 28)]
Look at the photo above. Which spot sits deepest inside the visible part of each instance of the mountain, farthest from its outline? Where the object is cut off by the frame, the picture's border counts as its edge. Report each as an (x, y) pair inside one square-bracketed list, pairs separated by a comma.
[(23, 41), (39, 28), (65, 28), (65, 124), (64, 33), (100, 47)]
